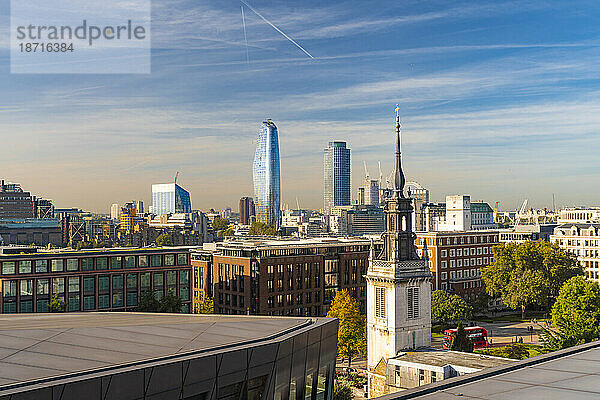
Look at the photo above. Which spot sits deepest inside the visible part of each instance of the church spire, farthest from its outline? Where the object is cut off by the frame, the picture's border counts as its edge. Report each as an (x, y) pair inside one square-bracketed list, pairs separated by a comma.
[(398, 174)]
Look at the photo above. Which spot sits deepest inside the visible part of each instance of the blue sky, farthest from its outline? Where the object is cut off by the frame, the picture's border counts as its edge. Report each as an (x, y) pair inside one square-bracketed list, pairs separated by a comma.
[(499, 100)]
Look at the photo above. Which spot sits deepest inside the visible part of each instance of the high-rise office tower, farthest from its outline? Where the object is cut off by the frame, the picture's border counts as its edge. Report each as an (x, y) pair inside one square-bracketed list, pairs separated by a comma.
[(170, 198), (336, 176), (115, 211), (267, 186), (246, 210), (372, 192)]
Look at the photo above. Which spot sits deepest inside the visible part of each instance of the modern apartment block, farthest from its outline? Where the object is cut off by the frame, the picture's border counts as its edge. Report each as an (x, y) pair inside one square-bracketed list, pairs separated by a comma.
[(280, 277), (456, 259), (583, 240), (91, 280), (336, 176), (170, 198)]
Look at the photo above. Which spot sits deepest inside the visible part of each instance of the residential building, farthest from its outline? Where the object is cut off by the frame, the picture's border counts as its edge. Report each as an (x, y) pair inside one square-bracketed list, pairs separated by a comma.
[(583, 240), (170, 198), (247, 210), (398, 287), (91, 280), (266, 170), (336, 176), (115, 212), (129, 356), (15, 203), (280, 277), (456, 259)]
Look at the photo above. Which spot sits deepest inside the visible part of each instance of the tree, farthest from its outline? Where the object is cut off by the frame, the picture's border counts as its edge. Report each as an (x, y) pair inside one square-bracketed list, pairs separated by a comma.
[(516, 351), (352, 331), (170, 303), (447, 307), (342, 391), (206, 305), (220, 224), (261, 229), (56, 305), (529, 273), (576, 314), (461, 341), (164, 240), (480, 304)]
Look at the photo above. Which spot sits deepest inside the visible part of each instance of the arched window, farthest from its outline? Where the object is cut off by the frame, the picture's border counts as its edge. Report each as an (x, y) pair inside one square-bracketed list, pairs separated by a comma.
[(403, 223)]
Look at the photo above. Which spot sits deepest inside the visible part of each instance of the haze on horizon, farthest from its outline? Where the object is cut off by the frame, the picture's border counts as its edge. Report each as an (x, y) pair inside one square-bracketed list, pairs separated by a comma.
[(498, 99)]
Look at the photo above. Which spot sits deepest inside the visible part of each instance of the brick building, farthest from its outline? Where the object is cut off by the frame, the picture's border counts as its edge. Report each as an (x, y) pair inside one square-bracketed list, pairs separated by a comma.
[(91, 280), (456, 259), (280, 277)]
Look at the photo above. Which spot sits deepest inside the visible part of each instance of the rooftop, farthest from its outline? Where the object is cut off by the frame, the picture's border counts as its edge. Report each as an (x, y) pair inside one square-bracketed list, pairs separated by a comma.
[(566, 374), (285, 243), (440, 358), (54, 346), (37, 251)]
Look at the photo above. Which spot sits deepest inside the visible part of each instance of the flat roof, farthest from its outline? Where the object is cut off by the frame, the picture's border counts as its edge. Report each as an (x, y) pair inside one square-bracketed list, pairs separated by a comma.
[(13, 251), (571, 373), (440, 358), (36, 347)]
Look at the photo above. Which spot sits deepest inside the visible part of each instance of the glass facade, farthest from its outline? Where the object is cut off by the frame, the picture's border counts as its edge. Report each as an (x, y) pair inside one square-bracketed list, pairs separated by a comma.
[(170, 198), (267, 187), (336, 176)]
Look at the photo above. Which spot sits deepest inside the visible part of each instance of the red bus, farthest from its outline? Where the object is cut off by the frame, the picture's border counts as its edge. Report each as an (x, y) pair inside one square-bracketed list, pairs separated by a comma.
[(476, 333)]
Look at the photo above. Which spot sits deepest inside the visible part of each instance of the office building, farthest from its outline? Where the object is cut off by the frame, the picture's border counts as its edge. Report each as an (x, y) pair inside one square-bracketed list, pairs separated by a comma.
[(523, 233), (139, 206), (42, 232), (398, 288), (118, 356), (456, 259), (15, 203), (280, 277), (482, 216), (170, 198), (91, 280), (267, 185), (247, 210), (336, 176), (371, 194), (356, 220), (583, 240)]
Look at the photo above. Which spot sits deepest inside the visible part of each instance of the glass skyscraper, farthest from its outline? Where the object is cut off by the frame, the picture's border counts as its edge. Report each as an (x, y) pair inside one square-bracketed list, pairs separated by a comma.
[(170, 198), (267, 187), (336, 176)]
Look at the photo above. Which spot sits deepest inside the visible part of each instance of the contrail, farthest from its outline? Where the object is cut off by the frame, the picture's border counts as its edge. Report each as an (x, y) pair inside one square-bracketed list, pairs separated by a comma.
[(277, 29), (245, 36)]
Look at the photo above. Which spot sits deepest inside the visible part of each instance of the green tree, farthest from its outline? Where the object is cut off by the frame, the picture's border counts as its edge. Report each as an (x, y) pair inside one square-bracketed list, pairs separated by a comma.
[(170, 303), (147, 302), (516, 351), (480, 304), (461, 341), (56, 305), (342, 391), (220, 224), (352, 331), (164, 240), (447, 307), (529, 273), (261, 229), (576, 314)]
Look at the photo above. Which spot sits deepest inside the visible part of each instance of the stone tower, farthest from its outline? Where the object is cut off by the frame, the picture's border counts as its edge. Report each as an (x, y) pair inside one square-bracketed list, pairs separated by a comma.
[(398, 281)]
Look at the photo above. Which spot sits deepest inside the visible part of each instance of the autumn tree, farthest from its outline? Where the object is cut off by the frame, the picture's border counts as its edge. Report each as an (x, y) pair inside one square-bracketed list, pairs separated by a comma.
[(164, 240), (342, 391), (575, 314), (529, 273), (205, 305), (352, 331), (447, 307), (56, 305)]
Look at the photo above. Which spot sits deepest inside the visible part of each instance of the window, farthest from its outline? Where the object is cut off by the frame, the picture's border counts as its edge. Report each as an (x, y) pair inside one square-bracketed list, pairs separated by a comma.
[(24, 267), (87, 264), (158, 279), (132, 299), (43, 287), (72, 264), (104, 284), (380, 302), (413, 302), (444, 264), (131, 282), (26, 287), (89, 303), (9, 289), (58, 265), (8, 268), (101, 263), (156, 261), (89, 283), (444, 253), (171, 278), (41, 266), (444, 276), (129, 261), (116, 263), (170, 260), (145, 280), (117, 282), (73, 284), (143, 261), (103, 301), (58, 285), (117, 299), (184, 277), (182, 259)]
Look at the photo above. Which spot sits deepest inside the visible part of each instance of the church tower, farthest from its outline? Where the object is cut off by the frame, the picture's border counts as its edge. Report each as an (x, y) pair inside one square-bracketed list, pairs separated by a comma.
[(398, 281)]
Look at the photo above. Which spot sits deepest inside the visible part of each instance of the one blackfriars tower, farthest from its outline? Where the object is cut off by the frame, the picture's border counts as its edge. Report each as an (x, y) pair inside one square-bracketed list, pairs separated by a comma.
[(267, 184)]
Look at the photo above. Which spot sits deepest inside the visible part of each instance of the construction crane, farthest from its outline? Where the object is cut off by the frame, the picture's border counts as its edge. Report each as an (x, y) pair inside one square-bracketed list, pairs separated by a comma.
[(366, 171), (176, 176)]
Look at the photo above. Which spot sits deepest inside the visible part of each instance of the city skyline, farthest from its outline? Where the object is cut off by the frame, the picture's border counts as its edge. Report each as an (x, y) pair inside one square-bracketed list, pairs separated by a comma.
[(506, 114)]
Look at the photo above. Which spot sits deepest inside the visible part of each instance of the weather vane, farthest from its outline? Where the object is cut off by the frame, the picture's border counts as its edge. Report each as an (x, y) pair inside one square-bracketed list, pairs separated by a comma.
[(397, 110)]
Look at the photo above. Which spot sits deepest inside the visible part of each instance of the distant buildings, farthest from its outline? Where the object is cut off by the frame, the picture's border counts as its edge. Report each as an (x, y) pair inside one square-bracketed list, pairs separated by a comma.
[(15, 203), (336, 176), (523, 233), (115, 212), (266, 175), (463, 215), (303, 223), (356, 220), (581, 238), (170, 198), (579, 215), (371, 194), (247, 210)]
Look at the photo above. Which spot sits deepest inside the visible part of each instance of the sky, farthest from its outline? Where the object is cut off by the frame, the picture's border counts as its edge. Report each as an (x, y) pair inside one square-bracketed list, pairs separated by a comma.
[(498, 99)]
